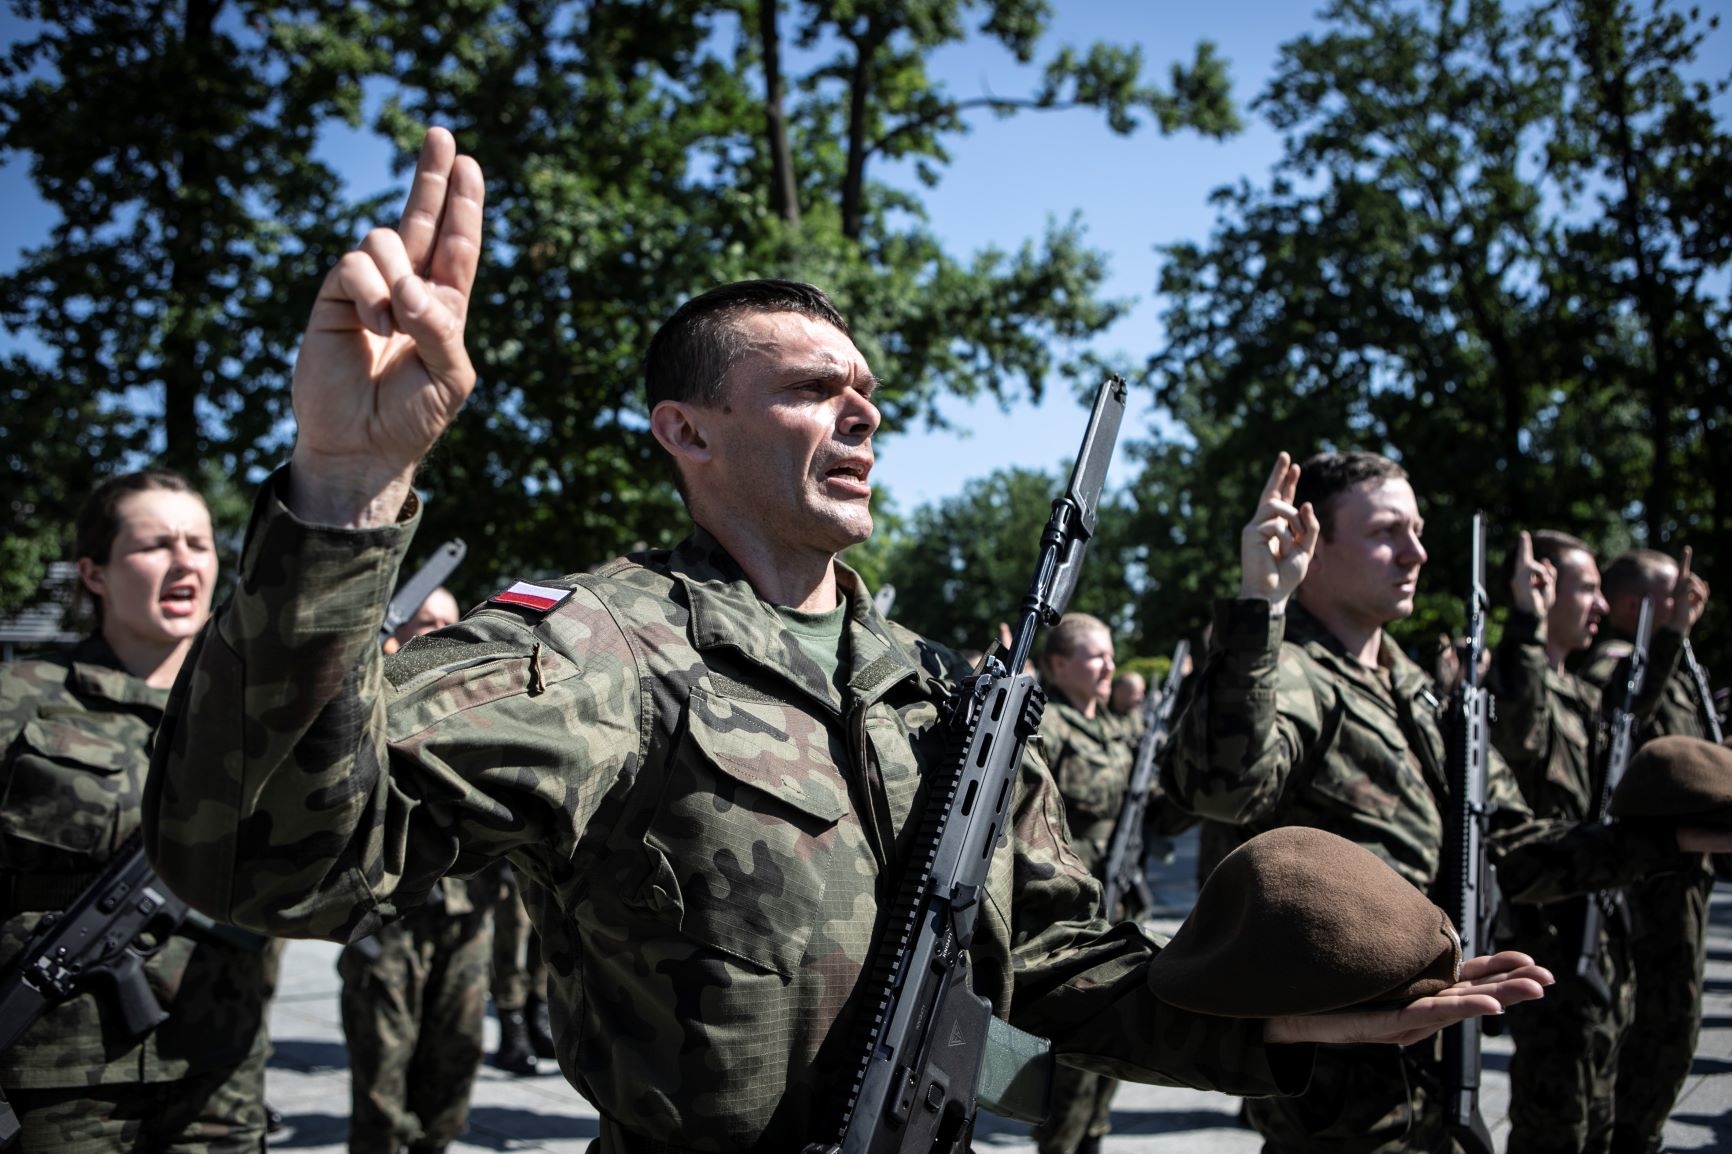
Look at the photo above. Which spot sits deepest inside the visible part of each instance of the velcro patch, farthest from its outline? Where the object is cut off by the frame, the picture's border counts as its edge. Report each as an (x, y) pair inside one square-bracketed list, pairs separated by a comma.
[(542, 598)]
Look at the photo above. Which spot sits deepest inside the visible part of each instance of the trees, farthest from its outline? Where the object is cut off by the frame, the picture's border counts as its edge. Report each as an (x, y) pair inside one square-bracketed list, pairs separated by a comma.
[(176, 144), (1447, 266), (636, 152)]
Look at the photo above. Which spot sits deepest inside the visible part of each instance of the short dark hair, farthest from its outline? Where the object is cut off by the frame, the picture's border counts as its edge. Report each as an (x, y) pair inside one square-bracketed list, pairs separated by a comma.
[(1632, 571), (99, 517), (1325, 476), (692, 353)]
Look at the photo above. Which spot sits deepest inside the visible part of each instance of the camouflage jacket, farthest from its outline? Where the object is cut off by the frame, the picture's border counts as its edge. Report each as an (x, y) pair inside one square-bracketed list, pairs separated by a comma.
[(1549, 728), (1090, 759), (703, 827), (1286, 728), (1670, 703), (77, 730)]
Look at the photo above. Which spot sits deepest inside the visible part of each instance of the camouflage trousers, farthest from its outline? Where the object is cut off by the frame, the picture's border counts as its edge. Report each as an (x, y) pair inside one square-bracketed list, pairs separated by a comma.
[(413, 1016), (1568, 1050), (1361, 1100), (1668, 951), (519, 973), (218, 1112), (1082, 1105)]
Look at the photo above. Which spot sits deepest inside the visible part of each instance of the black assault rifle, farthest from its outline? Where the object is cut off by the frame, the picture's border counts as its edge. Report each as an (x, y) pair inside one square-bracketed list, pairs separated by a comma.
[(915, 1058), (1605, 902), (1125, 875), (1464, 875), (102, 939)]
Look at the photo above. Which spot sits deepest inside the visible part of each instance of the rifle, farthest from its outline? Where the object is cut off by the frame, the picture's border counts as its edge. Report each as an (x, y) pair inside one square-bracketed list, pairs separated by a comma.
[(1464, 874), (911, 1076), (105, 936), (1124, 874), (421, 585), (1600, 905)]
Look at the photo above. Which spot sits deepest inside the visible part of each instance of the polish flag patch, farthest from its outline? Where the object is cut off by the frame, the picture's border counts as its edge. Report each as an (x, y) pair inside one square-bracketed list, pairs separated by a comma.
[(542, 598)]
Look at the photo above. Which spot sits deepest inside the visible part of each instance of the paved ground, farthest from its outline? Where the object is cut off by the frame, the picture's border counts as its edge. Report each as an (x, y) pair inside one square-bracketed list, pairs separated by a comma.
[(309, 1083)]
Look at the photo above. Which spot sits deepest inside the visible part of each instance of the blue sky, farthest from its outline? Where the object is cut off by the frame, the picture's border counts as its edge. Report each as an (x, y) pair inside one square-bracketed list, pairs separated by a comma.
[(1008, 179)]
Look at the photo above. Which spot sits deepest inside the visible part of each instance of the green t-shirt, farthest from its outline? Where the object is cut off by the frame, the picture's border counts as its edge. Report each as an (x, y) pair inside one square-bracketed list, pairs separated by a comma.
[(821, 637)]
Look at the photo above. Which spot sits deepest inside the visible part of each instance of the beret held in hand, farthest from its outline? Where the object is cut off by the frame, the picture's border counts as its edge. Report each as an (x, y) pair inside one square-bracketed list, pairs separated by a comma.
[(1302, 921), (1682, 778)]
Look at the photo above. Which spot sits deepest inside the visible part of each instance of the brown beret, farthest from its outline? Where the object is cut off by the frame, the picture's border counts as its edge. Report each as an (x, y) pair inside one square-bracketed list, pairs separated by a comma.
[(1301, 921), (1677, 777)]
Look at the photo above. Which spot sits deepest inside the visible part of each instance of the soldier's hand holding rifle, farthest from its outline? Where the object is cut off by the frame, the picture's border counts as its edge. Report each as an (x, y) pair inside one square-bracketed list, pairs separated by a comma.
[(382, 369)]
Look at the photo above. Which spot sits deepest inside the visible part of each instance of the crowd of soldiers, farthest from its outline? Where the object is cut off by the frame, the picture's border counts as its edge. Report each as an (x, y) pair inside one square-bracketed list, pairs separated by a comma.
[(695, 769)]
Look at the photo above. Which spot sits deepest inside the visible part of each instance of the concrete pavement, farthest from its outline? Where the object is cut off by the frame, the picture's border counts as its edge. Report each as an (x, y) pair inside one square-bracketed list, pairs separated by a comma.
[(308, 1078)]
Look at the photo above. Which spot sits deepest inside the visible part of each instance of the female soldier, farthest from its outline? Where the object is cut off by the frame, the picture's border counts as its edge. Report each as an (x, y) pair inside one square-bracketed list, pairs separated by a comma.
[(76, 729), (1090, 751)]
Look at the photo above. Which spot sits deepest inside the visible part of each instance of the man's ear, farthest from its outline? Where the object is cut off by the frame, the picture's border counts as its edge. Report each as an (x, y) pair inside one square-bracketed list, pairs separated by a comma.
[(92, 577), (679, 428)]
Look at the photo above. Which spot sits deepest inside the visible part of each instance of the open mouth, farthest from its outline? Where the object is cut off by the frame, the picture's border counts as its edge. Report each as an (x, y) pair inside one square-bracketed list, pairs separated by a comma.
[(850, 475), (179, 601)]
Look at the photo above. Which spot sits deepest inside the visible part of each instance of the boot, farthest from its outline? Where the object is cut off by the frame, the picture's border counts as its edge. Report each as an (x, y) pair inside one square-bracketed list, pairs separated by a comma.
[(541, 1030), (514, 1055)]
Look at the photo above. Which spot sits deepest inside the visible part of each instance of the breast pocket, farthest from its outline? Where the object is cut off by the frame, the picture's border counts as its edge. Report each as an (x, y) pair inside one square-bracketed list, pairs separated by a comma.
[(745, 828), (67, 786), (1370, 771)]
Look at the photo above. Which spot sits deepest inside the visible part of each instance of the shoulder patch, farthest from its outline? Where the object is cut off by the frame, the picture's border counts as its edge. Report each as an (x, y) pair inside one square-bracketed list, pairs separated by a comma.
[(541, 598)]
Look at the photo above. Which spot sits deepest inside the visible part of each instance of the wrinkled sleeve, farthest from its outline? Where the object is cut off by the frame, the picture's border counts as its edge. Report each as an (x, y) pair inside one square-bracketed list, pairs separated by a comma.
[(1520, 728), (1083, 983), (1249, 725), (296, 791)]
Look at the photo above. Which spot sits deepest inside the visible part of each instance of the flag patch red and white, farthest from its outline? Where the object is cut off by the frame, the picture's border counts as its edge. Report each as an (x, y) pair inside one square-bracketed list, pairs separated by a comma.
[(531, 596)]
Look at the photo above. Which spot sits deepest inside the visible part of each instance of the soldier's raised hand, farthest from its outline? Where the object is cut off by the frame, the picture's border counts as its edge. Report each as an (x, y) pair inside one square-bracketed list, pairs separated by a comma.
[(382, 368), (1275, 547), (1689, 596), (1533, 585)]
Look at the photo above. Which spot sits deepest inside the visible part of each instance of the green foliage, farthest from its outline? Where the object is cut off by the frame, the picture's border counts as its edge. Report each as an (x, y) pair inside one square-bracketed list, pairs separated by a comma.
[(1487, 252)]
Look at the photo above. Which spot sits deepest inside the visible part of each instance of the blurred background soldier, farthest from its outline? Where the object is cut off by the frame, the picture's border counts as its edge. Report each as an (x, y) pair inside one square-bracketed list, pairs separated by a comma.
[(1548, 726), (1669, 911), (1129, 688), (519, 983), (414, 998), (1088, 749), (77, 730)]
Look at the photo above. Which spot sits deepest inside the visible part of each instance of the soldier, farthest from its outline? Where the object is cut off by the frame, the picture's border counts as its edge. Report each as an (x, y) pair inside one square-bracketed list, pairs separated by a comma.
[(1127, 693), (1548, 726), (699, 762), (414, 999), (1307, 713), (1670, 912), (77, 731), (1089, 753), (519, 984)]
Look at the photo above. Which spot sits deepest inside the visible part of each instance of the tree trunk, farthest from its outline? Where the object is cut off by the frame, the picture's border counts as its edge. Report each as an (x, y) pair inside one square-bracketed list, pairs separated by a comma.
[(784, 191)]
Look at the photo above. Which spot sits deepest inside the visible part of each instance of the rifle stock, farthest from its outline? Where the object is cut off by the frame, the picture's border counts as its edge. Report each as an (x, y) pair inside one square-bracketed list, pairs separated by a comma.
[(921, 1030), (1124, 875), (1465, 875)]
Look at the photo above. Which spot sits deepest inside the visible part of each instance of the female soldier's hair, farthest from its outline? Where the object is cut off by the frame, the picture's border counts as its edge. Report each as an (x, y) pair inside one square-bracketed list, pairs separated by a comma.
[(1062, 639), (99, 517)]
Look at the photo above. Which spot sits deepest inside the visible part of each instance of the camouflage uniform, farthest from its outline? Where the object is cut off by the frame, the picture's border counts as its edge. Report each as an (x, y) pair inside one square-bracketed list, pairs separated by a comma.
[(1548, 726), (519, 974), (1670, 912), (702, 824), (414, 1006), (1299, 733), (1090, 759), (72, 772)]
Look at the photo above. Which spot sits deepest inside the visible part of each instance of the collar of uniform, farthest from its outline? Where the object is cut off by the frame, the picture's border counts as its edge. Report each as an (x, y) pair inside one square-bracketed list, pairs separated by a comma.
[(1405, 676), (97, 672), (728, 613)]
